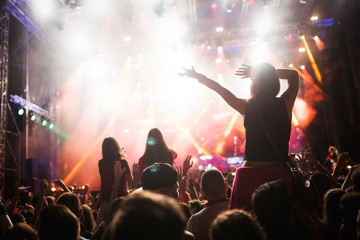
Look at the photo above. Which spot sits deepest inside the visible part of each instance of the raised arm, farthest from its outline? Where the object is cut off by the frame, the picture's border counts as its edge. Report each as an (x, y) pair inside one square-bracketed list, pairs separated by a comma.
[(291, 92), (236, 103)]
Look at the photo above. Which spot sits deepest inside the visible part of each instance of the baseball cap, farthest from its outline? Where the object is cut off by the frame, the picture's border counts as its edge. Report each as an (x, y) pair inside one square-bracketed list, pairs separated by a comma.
[(158, 176)]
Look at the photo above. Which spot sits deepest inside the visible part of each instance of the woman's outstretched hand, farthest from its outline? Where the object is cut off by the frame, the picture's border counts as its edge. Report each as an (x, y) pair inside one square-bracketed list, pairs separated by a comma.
[(189, 73), (244, 71)]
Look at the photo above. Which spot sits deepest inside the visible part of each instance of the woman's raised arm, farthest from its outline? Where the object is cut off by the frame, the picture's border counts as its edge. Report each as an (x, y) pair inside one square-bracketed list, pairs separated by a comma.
[(291, 92), (237, 103)]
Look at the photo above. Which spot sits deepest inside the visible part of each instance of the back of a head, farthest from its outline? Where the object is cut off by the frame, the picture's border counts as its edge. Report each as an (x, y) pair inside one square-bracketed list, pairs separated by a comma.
[(213, 184), (116, 204), (158, 176), (350, 205), (236, 224), (272, 205), (321, 182), (111, 149), (147, 215), (71, 201), (332, 206), (265, 81), (156, 149), (20, 231), (355, 177), (57, 222)]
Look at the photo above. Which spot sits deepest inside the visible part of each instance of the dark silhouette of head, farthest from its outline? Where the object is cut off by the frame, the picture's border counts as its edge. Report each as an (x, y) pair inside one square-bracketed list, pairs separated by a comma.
[(57, 222), (273, 207), (156, 149), (148, 215), (355, 177), (161, 178), (213, 185), (350, 207), (331, 214), (71, 201), (111, 150), (321, 182), (20, 231), (236, 224), (265, 81)]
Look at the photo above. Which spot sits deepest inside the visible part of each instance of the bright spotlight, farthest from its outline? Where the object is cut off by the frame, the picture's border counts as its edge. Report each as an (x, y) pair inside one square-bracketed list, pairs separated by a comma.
[(33, 117), (314, 18), (301, 49), (127, 39), (264, 25), (219, 29), (316, 38), (291, 65), (43, 9), (21, 111), (302, 67), (302, 37), (219, 60), (51, 126), (44, 122), (214, 6)]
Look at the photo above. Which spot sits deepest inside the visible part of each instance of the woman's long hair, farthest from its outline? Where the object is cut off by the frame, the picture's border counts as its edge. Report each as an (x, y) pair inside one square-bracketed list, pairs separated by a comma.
[(111, 150), (265, 82), (156, 149)]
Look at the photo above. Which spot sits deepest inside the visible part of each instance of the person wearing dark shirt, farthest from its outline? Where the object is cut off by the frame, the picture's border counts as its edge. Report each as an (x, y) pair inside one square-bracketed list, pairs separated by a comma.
[(112, 153), (267, 121), (156, 150)]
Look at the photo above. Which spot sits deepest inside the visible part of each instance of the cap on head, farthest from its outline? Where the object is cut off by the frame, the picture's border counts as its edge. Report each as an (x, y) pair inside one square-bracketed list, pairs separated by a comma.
[(158, 176)]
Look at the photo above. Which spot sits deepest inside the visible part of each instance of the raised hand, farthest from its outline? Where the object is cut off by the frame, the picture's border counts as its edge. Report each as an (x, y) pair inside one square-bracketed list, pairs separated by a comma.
[(244, 71), (189, 73), (310, 158), (43, 185), (302, 163), (187, 164), (343, 160)]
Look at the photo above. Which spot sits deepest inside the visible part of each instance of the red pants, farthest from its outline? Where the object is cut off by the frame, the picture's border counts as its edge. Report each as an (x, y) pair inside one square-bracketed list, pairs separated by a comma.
[(247, 179)]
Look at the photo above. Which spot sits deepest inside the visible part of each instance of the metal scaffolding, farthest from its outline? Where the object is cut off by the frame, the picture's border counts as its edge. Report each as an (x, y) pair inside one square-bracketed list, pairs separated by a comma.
[(4, 55)]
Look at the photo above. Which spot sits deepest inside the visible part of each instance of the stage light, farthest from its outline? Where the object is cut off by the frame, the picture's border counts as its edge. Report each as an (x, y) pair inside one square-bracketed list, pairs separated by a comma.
[(44, 122), (219, 29), (21, 111), (32, 117), (219, 60), (127, 39), (264, 25), (314, 18), (302, 67), (214, 6), (291, 65), (302, 49), (51, 126), (316, 38), (43, 9), (302, 37)]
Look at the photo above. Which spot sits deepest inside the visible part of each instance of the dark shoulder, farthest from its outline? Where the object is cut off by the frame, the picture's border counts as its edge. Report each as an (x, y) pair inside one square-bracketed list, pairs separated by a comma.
[(101, 162)]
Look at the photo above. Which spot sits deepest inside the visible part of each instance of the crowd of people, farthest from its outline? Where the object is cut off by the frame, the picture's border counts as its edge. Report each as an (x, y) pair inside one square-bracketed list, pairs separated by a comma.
[(274, 195)]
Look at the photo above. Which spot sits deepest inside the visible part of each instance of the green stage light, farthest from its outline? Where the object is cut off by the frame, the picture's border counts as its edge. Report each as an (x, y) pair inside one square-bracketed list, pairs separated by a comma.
[(21, 111), (33, 117), (51, 126), (44, 122)]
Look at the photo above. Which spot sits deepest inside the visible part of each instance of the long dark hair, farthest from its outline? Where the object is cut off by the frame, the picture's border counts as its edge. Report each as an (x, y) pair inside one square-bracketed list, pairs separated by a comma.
[(265, 82), (111, 150), (156, 149)]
